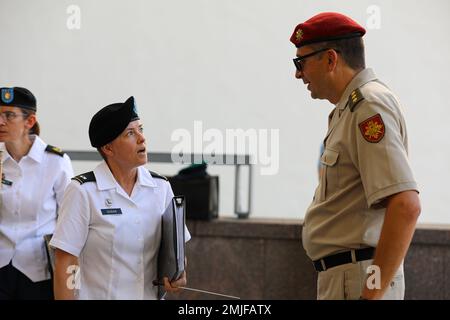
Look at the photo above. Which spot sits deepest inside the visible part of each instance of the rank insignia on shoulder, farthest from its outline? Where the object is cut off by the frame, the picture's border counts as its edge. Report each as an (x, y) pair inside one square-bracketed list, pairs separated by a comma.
[(158, 176), (54, 150), (373, 129), (355, 98), (85, 177)]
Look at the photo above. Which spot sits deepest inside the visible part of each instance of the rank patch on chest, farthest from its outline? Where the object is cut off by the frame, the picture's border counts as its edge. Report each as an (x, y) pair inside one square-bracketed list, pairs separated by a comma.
[(372, 129)]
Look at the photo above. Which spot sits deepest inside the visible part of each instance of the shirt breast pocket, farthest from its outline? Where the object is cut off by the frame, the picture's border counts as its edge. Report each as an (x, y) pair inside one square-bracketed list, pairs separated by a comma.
[(329, 179)]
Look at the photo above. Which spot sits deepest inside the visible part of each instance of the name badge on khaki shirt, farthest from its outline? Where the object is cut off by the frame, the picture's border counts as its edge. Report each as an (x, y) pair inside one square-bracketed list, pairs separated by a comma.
[(111, 211)]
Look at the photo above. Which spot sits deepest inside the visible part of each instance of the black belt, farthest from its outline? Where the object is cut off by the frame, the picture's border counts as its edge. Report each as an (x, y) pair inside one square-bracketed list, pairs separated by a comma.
[(343, 258)]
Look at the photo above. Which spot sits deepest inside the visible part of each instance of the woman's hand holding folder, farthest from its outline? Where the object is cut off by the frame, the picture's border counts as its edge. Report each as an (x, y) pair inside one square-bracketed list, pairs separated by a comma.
[(174, 285)]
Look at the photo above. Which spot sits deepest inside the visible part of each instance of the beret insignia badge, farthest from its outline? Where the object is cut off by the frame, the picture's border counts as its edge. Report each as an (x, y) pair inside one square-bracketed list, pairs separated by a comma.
[(7, 95), (299, 35)]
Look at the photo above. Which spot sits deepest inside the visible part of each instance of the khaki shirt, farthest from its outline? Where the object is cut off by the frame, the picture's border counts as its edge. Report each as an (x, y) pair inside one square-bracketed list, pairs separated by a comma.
[(365, 160)]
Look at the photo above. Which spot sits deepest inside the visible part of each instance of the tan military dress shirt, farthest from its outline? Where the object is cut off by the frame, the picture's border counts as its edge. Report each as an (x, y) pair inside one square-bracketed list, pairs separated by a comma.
[(365, 160)]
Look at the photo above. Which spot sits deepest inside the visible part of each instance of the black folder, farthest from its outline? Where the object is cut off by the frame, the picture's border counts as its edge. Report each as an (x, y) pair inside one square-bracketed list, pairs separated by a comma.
[(50, 254), (171, 253)]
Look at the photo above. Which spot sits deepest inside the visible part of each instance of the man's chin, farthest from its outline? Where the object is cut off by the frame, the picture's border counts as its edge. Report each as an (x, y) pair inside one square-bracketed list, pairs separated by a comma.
[(316, 97), (313, 95)]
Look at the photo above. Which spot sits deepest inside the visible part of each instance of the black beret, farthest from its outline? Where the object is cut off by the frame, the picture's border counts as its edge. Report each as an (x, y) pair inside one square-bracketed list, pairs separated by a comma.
[(111, 121), (18, 97)]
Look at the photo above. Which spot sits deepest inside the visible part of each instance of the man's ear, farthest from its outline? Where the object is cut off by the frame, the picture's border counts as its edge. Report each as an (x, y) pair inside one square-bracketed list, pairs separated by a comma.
[(332, 59)]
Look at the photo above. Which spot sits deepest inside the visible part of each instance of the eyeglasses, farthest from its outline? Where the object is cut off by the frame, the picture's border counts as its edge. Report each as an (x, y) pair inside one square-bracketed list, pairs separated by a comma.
[(300, 61), (9, 115)]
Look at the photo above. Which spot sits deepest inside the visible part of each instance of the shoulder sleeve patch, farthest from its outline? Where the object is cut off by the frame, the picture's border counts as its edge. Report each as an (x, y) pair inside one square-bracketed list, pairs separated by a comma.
[(158, 176), (54, 150), (355, 98), (372, 129), (85, 177)]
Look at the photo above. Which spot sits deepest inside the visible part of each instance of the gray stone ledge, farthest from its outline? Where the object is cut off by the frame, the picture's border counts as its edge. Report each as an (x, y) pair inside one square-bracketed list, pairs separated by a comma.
[(283, 229)]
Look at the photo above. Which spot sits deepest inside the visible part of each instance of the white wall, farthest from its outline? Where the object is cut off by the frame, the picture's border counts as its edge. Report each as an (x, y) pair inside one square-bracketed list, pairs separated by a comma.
[(228, 64)]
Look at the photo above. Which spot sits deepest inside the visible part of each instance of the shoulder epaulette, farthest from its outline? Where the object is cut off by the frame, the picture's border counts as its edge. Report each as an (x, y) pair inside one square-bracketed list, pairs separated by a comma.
[(158, 176), (355, 98), (85, 177), (54, 150)]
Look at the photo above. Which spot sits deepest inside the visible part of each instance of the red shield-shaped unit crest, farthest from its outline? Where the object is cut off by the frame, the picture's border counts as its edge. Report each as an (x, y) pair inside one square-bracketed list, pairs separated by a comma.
[(372, 129)]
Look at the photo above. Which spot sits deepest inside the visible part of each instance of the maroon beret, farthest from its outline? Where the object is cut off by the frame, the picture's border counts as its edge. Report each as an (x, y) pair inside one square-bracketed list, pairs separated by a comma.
[(326, 26)]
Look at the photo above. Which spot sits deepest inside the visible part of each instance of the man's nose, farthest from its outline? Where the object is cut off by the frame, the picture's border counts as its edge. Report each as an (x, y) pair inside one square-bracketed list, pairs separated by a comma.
[(298, 74)]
